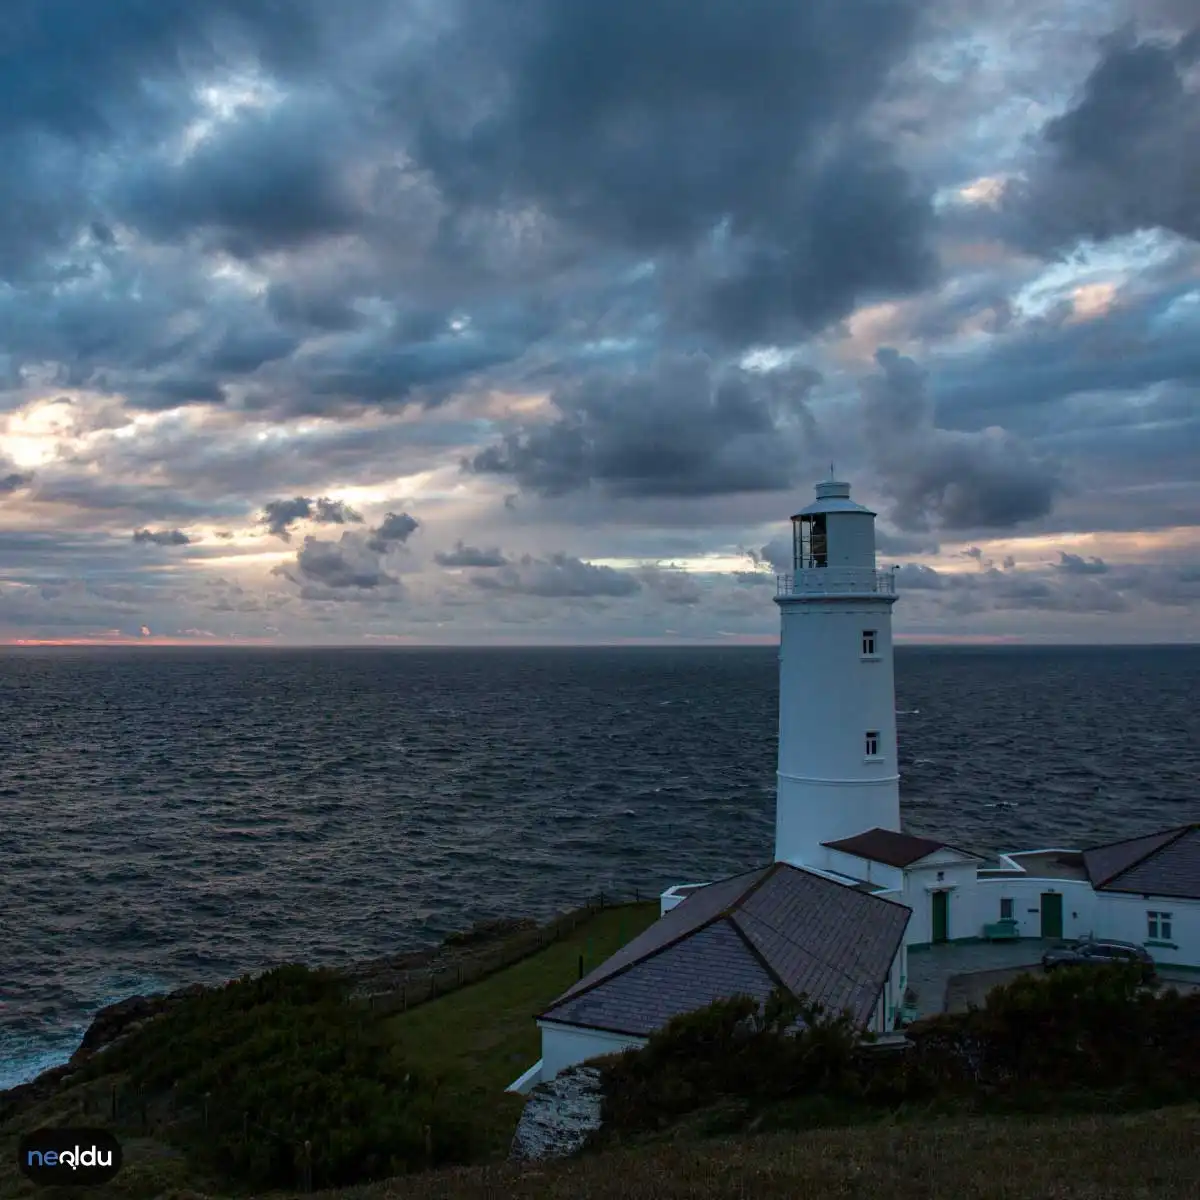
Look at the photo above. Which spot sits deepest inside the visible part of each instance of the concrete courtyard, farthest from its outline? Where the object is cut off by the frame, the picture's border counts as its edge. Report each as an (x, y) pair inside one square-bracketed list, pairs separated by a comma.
[(951, 977)]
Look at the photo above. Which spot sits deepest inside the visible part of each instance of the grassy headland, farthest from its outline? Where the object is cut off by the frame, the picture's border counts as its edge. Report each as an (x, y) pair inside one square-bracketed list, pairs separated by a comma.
[(216, 1095), (221, 1091)]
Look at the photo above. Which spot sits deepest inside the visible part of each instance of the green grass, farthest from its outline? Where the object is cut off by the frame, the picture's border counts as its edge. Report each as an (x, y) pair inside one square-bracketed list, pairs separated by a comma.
[(1133, 1156), (477, 1039), (481, 1037)]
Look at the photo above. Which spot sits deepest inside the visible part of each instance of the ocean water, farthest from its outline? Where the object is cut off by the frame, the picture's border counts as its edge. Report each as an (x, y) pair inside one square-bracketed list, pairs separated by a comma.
[(171, 816)]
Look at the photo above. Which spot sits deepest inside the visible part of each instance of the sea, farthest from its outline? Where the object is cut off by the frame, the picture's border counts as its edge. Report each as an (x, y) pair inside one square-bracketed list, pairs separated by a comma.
[(170, 816)]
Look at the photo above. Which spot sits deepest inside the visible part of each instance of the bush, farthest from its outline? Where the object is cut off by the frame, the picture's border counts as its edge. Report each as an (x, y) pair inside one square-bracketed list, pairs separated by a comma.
[(1087, 1039), (261, 1065), (737, 1048)]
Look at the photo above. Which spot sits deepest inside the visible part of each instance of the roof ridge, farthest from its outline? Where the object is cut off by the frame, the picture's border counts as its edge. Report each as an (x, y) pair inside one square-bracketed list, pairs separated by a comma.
[(757, 953), (1176, 833), (667, 945)]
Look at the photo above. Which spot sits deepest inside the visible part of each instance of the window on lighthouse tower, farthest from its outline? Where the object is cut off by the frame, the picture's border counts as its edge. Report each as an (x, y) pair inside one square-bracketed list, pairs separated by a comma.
[(868, 643), (872, 743)]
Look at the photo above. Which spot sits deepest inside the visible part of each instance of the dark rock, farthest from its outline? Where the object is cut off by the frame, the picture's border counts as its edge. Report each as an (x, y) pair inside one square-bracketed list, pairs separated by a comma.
[(115, 1019), (490, 931)]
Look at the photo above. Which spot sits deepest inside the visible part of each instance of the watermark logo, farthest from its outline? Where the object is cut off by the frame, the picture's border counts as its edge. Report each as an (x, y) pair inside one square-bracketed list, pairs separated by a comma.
[(69, 1157)]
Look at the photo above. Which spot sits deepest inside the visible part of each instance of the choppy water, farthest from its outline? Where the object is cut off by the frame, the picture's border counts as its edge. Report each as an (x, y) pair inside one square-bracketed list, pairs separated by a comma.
[(168, 816)]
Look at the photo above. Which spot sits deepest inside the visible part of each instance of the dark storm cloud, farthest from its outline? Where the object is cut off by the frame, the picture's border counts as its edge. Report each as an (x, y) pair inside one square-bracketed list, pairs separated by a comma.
[(724, 136), (1123, 158), (558, 576), (77, 77), (162, 537), (280, 515), (681, 429), (953, 480), (270, 181), (470, 556), (323, 310), (394, 530), (1076, 564), (347, 564)]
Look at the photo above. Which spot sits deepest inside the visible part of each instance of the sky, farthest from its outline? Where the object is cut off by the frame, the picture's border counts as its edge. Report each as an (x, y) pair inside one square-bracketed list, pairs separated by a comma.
[(532, 321)]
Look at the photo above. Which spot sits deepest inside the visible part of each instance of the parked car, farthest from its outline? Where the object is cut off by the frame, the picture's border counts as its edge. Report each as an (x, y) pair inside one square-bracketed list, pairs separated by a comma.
[(1094, 952)]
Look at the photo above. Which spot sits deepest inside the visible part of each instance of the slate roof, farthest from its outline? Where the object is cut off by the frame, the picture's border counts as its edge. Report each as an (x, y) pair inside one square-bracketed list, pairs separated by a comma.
[(1158, 864), (779, 926), (891, 848)]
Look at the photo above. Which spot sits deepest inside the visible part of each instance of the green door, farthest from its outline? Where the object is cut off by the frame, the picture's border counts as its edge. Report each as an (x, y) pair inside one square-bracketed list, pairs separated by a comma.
[(1052, 915), (941, 916)]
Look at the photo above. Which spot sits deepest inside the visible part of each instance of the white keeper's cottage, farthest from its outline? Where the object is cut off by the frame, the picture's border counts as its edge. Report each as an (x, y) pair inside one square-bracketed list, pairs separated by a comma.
[(849, 893)]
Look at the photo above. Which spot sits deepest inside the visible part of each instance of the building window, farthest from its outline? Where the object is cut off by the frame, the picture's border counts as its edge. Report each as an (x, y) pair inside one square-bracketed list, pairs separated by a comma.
[(873, 743), (1006, 909), (868, 643), (1158, 926)]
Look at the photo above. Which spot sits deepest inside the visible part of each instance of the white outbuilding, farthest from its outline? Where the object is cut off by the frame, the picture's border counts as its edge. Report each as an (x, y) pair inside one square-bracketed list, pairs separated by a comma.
[(850, 893)]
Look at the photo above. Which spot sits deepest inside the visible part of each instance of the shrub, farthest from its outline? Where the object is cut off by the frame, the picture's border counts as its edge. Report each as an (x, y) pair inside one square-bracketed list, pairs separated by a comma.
[(261, 1065)]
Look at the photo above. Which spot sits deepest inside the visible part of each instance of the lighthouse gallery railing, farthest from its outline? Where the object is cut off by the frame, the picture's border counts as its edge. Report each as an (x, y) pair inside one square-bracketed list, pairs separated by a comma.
[(839, 581)]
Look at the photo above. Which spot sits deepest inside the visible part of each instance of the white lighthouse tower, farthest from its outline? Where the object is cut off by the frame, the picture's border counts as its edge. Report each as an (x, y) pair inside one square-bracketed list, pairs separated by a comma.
[(838, 773)]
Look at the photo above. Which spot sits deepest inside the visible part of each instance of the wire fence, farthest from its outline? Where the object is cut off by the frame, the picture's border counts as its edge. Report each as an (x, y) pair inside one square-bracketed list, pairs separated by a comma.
[(424, 983), (132, 1108)]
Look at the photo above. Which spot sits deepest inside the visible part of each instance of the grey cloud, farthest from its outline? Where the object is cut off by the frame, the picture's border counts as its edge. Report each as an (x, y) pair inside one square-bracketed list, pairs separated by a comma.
[(558, 576), (755, 578), (684, 428), (672, 586), (270, 180), (346, 564), (1075, 564), (330, 312), (14, 482), (75, 84), (470, 556), (902, 543), (727, 138), (1123, 158), (919, 577), (395, 529), (132, 502), (777, 553), (162, 537), (280, 515), (956, 480)]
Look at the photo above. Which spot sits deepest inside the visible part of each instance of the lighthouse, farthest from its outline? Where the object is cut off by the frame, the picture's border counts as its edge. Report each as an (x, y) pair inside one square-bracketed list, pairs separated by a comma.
[(838, 774)]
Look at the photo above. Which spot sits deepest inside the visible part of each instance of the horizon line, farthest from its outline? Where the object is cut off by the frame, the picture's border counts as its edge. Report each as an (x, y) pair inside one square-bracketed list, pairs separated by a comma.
[(404, 642)]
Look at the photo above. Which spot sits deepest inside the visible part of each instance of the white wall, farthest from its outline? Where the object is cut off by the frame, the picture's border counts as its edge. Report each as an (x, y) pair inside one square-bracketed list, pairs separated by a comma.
[(862, 868), (1124, 918), (673, 897), (565, 1045), (829, 697), (850, 539), (1080, 916), (958, 878)]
